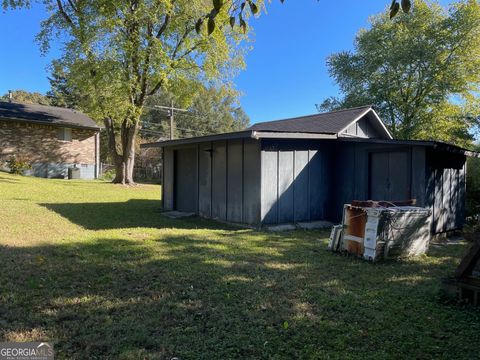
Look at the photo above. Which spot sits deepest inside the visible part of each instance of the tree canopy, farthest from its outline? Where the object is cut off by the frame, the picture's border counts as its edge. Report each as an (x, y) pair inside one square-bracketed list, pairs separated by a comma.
[(211, 110), (119, 53), (27, 97), (420, 71)]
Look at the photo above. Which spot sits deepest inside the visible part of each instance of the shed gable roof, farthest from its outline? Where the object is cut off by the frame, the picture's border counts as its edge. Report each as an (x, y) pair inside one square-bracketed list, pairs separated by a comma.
[(335, 122), (47, 115)]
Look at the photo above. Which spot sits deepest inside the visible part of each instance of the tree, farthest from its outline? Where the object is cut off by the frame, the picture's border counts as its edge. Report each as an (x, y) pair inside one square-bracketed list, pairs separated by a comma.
[(27, 97), (119, 53), (239, 10), (63, 93), (421, 72)]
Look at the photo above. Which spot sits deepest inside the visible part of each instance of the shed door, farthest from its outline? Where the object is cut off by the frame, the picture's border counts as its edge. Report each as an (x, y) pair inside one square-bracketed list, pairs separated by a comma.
[(389, 176), (185, 188)]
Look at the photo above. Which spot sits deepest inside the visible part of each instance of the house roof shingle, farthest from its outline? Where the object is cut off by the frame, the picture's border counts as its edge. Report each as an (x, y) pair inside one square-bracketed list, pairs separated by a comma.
[(326, 123), (49, 115)]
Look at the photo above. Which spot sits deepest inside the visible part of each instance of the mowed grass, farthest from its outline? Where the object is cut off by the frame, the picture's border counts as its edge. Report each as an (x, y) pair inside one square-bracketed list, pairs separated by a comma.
[(95, 268)]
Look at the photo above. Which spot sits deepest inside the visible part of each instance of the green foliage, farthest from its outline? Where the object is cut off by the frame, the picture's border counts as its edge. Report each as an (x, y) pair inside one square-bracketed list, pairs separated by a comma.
[(109, 175), (63, 92), (473, 185), (421, 71), (26, 97), (239, 8), (18, 164), (117, 54), (211, 110)]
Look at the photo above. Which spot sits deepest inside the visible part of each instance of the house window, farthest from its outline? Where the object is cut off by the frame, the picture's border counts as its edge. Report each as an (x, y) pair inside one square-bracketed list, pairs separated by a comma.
[(64, 134)]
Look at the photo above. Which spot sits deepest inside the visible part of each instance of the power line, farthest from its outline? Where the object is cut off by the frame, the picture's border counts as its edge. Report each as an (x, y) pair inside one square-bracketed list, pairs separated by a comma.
[(170, 110)]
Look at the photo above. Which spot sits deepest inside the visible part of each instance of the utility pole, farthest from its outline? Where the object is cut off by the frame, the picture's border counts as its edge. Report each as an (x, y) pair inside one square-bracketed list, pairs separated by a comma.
[(170, 110), (171, 120)]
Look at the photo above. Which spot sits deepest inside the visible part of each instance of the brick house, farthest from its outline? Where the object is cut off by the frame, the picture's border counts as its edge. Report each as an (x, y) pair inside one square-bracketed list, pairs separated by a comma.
[(52, 139)]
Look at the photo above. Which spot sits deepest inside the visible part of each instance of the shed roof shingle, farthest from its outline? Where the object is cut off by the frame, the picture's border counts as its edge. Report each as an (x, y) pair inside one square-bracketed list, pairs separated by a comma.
[(327, 123), (49, 115)]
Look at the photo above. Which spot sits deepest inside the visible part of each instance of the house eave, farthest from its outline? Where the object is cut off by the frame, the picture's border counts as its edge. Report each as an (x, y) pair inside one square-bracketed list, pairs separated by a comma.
[(45, 123)]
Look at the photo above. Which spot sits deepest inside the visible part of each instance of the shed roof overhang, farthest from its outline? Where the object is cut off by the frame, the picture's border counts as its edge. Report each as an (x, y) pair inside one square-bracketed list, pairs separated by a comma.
[(436, 145), (257, 135), (247, 134)]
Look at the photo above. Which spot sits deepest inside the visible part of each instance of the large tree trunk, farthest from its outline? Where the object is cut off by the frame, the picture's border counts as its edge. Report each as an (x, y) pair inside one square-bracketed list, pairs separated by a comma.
[(124, 161)]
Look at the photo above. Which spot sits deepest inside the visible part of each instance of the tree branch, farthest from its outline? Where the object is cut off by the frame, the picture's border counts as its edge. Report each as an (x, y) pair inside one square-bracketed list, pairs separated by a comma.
[(155, 88), (163, 27), (64, 14)]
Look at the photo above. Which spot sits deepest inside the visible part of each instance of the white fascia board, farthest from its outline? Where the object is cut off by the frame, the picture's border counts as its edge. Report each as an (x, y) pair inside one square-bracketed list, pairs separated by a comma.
[(382, 125), (290, 135)]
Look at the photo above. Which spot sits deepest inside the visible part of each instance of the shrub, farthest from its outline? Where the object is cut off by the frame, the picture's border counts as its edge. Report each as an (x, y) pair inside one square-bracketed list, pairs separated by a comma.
[(108, 175), (18, 164)]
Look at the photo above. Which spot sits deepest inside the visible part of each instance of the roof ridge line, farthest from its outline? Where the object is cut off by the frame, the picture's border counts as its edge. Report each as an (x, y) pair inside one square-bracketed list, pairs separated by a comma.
[(311, 115)]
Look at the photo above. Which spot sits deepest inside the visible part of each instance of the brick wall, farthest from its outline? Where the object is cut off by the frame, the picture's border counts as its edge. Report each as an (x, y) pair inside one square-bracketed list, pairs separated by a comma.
[(39, 144)]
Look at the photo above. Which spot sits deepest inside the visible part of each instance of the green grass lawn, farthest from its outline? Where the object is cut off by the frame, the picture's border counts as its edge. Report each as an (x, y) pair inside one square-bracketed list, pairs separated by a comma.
[(95, 268)]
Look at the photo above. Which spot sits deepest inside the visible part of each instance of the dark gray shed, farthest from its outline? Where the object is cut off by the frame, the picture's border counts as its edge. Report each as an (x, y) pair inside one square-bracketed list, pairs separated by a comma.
[(306, 168)]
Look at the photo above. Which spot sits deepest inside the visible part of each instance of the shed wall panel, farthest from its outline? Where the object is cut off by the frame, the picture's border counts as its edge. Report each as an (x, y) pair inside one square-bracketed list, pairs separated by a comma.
[(419, 175), (301, 187), (251, 182), (361, 174), (399, 178), (379, 175), (343, 181), (205, 179), (285, 186), (219, 180), (235, 180), (316, 185), (186, 180), (269, 193), (167, 185)]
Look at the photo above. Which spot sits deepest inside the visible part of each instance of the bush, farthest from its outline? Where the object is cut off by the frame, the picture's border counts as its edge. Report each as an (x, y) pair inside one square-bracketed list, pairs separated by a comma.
[(18, 164), (473, 187), (108, 175)]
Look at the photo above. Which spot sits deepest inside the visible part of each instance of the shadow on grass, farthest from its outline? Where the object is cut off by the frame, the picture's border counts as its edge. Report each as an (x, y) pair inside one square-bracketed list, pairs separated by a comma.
[(129, 214), (9, 180), (238, 294)]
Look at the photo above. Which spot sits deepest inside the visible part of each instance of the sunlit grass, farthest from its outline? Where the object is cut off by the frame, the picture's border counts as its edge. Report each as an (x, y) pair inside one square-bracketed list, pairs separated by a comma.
[(95, 268)]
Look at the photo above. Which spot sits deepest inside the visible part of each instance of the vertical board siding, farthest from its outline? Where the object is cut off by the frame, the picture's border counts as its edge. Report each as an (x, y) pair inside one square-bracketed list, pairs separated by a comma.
[(285, 186), (419, 175), (316, 185), (301, 187), (399, 179), (223, 179), (282, 181), (219, 180), (343, 179), (269, 192), (379, 173), (168, 179), (438, 201), (447, 193), (295, 181), (461, 195), (186, 179), (234, 180), (251, 181), (205, 179)]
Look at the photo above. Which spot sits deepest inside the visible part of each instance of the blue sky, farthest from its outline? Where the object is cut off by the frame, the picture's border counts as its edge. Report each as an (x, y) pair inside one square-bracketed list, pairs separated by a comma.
[(286, 74)]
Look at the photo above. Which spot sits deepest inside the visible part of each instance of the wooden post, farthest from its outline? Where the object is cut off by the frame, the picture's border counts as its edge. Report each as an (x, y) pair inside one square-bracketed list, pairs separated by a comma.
[(171, 121)]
